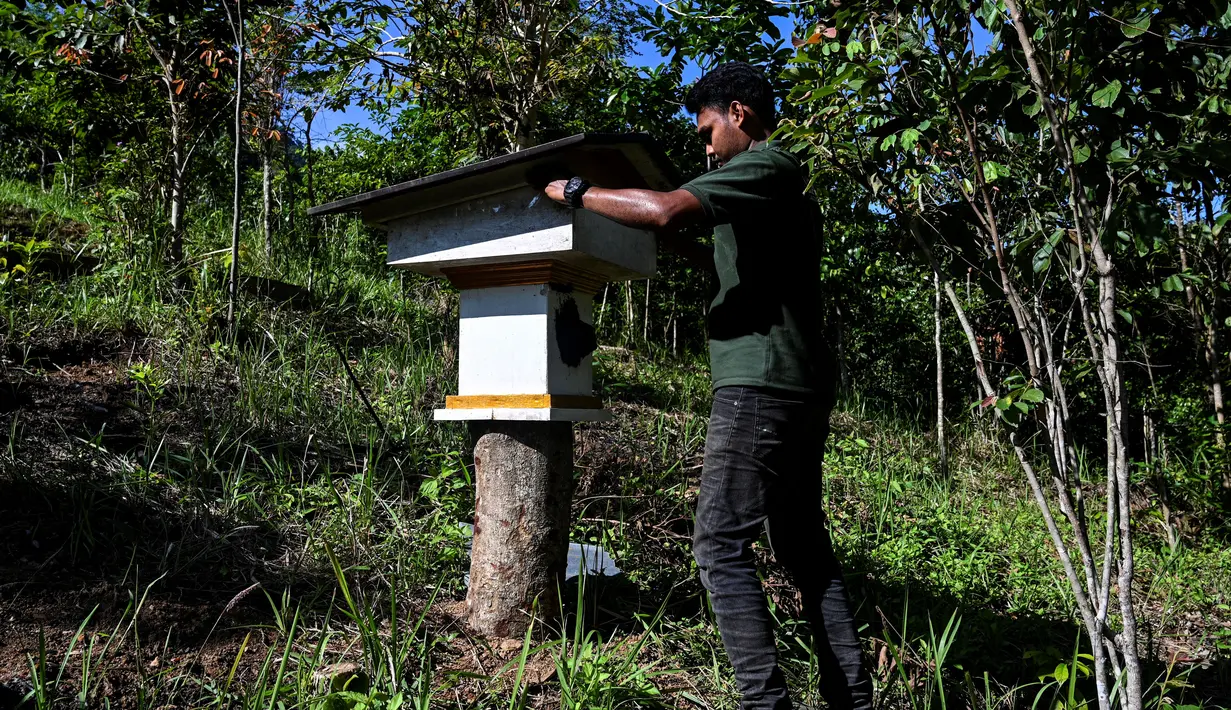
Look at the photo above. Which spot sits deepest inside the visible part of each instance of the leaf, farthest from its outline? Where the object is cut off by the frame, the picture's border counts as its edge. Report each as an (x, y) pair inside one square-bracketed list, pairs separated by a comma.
[(993, 171), (1032, 395), (1106, 96), (815, 38), (909, 138), (1042, 258), (1125, 315), (888, 141), (1033, 109), (1173, 283), (1119, 155), (1062, 673), (1220, 223), (1081, 153), (1137, 27), (1143, 247), (987, 402)]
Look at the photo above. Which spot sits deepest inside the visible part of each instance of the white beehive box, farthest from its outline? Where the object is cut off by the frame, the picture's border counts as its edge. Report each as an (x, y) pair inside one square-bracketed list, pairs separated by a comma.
[(527, 268)]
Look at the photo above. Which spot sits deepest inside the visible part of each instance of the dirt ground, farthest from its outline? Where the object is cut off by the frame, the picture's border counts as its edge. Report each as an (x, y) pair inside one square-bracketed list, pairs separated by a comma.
[(176, 591), (168, 589)]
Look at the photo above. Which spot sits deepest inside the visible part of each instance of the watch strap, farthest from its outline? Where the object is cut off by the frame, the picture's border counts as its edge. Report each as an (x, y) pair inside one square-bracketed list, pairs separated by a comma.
[(574, 190)]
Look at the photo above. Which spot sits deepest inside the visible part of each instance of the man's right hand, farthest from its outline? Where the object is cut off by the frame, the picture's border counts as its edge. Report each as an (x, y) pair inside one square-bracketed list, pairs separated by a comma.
[(555, 190)]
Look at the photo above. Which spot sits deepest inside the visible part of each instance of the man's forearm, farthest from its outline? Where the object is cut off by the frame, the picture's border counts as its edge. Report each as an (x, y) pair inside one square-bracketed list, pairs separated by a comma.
[(661, 212), (643, 209)]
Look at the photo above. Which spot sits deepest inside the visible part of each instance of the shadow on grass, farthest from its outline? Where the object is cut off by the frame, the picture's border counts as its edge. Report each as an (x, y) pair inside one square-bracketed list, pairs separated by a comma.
[(73, 536), (103, 513), (1013, 650)]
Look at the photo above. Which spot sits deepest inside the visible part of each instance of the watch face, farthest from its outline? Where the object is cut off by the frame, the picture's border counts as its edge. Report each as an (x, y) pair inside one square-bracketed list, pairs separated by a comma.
[(571, 190)]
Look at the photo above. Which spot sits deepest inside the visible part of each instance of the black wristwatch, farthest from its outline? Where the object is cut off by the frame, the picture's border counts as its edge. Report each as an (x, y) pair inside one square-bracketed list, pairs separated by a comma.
[(574, 190)]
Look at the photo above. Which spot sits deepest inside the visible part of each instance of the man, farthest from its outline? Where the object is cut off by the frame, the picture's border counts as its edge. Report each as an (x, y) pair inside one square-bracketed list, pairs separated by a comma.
[(773, 385)]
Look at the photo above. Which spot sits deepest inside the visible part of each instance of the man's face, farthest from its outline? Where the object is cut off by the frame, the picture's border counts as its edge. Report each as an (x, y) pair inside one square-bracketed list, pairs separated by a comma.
[(722, 131)]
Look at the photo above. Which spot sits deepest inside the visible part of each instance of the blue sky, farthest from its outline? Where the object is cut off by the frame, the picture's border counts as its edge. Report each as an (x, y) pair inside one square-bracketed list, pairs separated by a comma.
[(644, 54)]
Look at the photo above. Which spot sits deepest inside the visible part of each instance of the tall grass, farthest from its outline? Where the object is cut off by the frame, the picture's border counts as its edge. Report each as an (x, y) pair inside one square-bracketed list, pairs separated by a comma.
[(261, 430), (55, 202)]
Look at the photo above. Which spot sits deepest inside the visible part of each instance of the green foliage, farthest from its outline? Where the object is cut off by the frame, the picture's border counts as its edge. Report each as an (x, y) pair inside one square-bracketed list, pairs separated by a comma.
[(423, 142), (605, 676), (263, 432), (492, 67)]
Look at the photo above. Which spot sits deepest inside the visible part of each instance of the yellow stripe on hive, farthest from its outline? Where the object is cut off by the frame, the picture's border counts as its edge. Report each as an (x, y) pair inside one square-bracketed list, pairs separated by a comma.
[(522, 401)]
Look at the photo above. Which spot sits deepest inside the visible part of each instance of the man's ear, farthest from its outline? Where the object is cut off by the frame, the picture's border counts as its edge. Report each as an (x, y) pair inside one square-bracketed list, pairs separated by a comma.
[(737, 113)]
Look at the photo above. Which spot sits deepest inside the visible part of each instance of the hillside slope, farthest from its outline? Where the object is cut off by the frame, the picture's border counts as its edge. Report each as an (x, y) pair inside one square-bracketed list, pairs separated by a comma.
[(193, 519)]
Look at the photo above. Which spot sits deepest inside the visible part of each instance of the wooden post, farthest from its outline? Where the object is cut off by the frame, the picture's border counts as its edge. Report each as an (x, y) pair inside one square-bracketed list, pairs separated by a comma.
[(523, 497)]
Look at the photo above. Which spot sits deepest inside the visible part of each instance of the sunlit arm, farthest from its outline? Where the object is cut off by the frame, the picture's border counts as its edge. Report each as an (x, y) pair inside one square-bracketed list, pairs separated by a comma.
[(662, 212), (645, 209)]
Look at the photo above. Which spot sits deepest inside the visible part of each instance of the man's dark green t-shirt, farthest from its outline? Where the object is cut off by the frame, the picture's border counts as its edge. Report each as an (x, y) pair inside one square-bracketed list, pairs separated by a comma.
[(766, 321)]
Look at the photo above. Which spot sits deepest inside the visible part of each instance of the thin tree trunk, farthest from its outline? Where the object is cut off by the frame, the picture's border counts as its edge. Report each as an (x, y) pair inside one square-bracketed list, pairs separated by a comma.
[(645, 324), (1207, 338), (177, 181), (308, 117), (1212, 324), (602, 308), (958, 309), (941, 446), (1127, 638), (233, 280), (267, 198), (1105, 351), (1153, 462), (1217, 318), (524, 126), (289, 183), (628, 313), (839, 331)]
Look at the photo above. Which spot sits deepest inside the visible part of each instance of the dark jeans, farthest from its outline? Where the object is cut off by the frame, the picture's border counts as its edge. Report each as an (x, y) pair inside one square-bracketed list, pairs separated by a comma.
[(763, 467)]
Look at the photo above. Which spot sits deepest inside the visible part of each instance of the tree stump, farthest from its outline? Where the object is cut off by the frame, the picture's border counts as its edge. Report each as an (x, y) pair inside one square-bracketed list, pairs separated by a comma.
[(523, 499)]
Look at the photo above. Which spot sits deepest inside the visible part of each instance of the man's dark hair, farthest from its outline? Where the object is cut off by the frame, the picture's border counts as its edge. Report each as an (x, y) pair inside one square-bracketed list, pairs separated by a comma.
[(734, 81)]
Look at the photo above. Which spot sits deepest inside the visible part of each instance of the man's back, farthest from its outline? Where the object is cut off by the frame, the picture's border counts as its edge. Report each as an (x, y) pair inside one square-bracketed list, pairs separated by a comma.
[(765, 322)]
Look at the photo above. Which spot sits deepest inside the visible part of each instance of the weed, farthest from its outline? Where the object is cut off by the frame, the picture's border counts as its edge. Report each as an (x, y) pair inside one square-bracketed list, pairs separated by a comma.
[(254, 458)]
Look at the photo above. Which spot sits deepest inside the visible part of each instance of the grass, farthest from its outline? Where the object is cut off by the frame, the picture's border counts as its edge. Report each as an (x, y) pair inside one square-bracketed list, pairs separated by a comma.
[(246, 535)]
